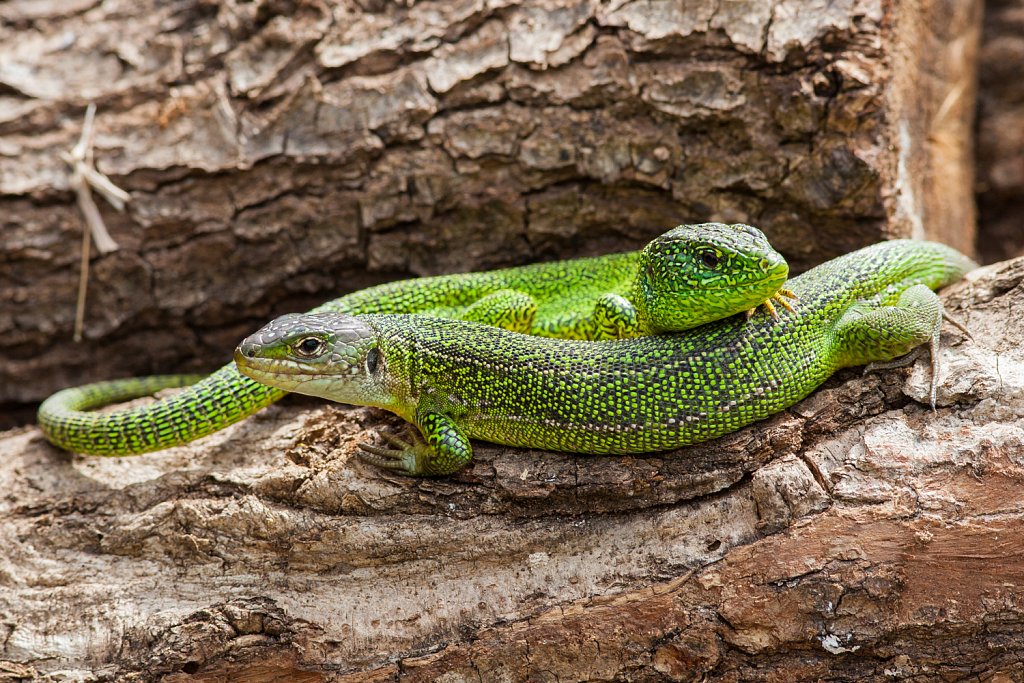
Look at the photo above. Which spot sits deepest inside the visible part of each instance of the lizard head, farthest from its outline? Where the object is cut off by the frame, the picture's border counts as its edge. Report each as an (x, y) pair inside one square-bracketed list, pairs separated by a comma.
[(330, 355), (705, 269)]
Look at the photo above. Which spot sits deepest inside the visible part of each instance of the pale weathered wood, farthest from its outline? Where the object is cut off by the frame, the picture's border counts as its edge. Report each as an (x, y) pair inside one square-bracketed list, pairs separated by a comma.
[(853, 536), (281, 153)]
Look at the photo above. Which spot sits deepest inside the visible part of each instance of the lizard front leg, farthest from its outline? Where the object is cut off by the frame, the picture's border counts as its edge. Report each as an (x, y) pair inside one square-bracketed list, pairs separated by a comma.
[(444, 448), (508, 309), (615, 317)]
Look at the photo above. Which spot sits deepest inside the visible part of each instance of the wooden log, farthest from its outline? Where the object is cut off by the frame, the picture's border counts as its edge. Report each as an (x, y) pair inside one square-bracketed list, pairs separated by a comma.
[(856, 536)]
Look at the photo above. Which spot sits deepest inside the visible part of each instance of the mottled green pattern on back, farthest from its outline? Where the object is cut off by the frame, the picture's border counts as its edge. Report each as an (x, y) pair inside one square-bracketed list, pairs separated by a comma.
[(565, 293), (660, 392)]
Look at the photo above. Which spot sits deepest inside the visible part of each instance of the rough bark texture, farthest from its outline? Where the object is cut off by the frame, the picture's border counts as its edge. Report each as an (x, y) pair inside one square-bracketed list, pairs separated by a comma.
[(1001, 132), (281, 152), (856, 536)]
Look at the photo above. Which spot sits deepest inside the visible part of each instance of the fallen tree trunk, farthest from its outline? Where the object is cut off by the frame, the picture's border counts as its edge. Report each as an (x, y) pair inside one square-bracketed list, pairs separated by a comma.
[(858, 535), (280, 153)]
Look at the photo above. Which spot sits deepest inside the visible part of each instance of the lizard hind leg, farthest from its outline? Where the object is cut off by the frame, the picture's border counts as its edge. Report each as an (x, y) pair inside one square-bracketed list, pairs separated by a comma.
[(508, 309), (888, 336)]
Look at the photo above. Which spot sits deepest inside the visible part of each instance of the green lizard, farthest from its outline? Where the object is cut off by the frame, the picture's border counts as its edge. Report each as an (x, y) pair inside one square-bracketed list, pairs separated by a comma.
[(457, 380), (690, 275)]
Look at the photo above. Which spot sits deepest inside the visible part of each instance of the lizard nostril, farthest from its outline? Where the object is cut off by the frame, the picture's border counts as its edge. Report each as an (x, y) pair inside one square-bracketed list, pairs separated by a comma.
[(771, 263)]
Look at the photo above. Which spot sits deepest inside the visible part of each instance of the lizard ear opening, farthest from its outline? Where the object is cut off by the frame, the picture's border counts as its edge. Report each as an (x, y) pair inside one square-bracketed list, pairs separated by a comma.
[(372, 360)]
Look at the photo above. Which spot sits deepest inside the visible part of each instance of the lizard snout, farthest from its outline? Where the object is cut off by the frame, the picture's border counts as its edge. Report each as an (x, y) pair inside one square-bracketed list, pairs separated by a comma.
[(248, 348)]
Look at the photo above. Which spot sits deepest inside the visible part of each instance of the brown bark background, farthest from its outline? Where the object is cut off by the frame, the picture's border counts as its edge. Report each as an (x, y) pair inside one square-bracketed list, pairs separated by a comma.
[(280, 153), (1001, 132)]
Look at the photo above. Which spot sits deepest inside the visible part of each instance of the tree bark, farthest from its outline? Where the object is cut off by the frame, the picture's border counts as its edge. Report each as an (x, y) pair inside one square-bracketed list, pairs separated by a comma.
[(282, 152), (856, 536), (1001, 132)]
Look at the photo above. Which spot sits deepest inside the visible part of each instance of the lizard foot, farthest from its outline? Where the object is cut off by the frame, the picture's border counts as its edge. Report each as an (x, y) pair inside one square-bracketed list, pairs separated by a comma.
[(901, 362), (780, 298), (442, 449), (919, 352), (403, 456)]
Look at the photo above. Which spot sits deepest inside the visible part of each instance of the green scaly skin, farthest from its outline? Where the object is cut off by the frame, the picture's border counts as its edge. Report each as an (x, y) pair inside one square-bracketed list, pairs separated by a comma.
[(687, 277), (457, 380)]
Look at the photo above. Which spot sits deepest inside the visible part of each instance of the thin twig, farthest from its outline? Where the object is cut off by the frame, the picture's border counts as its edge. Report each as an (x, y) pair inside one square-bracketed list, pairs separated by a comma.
[(83, 282), (84, 179)]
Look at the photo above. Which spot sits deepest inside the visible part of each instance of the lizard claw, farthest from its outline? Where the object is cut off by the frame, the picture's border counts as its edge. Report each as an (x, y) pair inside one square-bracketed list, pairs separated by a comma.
[(901, 362), (403, 457), (957, 324), (782, 296), (780, 299), (396, 441), (386, 458)]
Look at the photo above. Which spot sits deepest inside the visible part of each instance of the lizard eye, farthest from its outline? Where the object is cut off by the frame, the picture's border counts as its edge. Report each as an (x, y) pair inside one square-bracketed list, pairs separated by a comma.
[(709, 258), (310, 346)]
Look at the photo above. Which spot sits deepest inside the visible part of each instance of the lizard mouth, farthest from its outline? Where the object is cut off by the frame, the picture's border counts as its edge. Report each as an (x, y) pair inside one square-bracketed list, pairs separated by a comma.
[(287, 374), (747, 285), (274, 372), (752, 284)]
